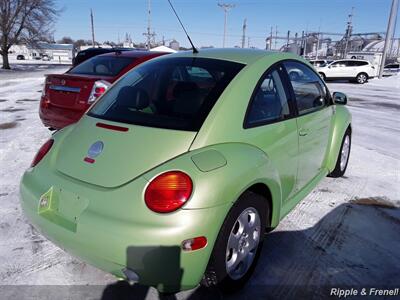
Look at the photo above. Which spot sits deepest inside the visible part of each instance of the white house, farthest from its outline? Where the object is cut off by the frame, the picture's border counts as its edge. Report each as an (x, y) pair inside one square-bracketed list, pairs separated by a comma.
[(57, 52)]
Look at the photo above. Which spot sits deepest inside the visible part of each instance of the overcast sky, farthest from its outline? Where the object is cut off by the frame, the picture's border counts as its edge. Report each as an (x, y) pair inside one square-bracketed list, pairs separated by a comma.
[(204, 19)]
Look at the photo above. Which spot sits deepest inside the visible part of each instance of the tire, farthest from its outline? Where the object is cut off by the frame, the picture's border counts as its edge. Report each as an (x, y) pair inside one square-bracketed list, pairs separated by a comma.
[(343, 158), (362, 78), (224, 271), (322, 76)]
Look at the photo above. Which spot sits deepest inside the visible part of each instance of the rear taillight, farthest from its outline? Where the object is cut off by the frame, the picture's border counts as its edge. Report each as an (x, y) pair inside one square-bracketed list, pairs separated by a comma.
[(42, 152), (168, 192), (99, 88), (44, 89)]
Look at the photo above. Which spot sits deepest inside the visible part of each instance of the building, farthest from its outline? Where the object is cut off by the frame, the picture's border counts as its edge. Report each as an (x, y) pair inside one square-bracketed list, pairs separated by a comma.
[(174, 44), (56, 52)]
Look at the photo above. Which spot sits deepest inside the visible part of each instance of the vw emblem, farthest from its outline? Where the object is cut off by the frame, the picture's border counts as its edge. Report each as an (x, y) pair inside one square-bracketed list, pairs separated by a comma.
[(62, 81), (95, 149)]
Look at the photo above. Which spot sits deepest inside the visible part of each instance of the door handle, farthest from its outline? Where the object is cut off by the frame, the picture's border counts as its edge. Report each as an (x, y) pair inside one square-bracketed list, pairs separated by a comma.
[(303, 132)]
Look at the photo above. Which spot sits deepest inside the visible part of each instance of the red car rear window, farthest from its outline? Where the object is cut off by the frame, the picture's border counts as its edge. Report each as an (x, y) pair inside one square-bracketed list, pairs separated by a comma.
[(102, 65), (174, 93)]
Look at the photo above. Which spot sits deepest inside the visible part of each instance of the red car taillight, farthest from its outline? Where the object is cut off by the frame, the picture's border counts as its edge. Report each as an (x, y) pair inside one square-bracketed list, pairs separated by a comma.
[(42, 152), (168, 192), (99, 88)]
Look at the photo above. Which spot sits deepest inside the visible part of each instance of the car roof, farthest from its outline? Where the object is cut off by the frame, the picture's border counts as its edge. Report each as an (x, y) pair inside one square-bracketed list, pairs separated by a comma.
[(132, 53), (351, 59), (240, 55)]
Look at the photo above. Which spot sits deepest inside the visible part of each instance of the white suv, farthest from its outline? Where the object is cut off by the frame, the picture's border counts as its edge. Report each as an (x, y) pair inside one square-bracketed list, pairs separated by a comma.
[(351, 69)]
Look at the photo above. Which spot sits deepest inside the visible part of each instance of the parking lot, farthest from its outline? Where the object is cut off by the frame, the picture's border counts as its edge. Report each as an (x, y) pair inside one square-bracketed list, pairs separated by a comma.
[(346, 232)]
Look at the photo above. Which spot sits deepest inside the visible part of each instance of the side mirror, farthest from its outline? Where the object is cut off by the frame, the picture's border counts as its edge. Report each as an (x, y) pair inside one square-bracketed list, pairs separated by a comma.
[(329, 67), (339, 98)]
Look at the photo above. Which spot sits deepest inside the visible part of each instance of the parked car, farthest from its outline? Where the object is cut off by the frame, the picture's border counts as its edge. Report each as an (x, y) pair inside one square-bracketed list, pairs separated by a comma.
[(83, 55), (45, 57), (20, 57), (176, 173), (67, 96), (391, 69), (350, 69)]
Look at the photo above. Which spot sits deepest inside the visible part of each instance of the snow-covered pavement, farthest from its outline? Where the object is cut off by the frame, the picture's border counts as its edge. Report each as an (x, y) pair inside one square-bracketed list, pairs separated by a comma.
[(346, 232)]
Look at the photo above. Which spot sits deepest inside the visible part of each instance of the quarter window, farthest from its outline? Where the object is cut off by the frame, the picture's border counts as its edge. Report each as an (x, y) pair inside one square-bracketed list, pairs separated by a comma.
[(269, 102), (311, 94)]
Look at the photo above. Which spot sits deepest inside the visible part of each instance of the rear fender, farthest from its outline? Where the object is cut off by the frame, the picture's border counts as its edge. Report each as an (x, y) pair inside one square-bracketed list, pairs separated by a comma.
[(222, 172)]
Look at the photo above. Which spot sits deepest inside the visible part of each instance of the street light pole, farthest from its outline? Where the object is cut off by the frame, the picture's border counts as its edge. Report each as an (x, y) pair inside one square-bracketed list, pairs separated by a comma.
[(389, 34), (226, 8)]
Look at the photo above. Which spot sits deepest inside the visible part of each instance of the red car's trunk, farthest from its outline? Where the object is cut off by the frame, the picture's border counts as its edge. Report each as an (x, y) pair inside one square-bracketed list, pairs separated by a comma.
[(71, 91)]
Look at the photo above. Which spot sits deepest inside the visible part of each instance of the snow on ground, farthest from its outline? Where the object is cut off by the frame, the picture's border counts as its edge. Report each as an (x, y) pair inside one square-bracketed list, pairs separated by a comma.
[(345, 233)]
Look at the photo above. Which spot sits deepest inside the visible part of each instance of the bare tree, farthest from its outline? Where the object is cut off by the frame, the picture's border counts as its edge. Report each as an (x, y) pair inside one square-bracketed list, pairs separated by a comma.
[(25, 21)]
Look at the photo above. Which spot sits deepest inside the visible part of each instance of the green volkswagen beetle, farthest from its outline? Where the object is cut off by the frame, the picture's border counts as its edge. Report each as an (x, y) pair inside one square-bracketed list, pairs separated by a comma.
[(172, 178)]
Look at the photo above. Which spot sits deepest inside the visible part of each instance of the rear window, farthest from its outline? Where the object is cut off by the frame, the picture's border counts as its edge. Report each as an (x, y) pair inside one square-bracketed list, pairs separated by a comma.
[(102, 65), (173, 93)]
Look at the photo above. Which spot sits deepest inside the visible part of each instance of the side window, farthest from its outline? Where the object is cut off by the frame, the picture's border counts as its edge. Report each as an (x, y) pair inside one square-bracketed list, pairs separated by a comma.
[(347, 63), (269, 102), (310, 92), (338, 64), (357, 63)]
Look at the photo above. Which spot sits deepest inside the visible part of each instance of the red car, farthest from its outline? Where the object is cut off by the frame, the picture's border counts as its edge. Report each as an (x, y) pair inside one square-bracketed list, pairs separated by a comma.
[(66, 97)]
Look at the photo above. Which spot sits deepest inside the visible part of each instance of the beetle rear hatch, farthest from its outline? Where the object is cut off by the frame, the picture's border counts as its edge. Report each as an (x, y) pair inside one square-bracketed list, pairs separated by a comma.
[(124, 156)]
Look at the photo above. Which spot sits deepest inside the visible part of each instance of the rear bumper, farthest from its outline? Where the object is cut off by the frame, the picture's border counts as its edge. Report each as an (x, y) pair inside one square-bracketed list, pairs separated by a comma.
[(101, 234), (57, 118)]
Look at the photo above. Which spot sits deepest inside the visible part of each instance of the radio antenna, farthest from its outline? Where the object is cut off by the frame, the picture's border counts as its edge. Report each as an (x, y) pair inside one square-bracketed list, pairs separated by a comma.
[(183, 27)]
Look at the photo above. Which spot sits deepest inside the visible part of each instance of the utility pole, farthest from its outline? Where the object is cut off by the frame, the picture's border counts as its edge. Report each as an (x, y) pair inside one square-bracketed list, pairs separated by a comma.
[(389, 34), (226, 7), (348, 32), (316, 52), (270, 39), (287, 40), (91, 20), (244, 33), (149, 35), (276, 35)]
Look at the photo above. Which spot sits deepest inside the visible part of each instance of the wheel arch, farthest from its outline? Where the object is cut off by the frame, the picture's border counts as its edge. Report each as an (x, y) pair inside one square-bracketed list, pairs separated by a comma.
[(341, 123), (263, 190), (362, 72)]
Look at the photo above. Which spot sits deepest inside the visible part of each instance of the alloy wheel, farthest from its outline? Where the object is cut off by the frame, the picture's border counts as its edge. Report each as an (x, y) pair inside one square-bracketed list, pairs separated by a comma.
[(243, 243), (344, 156)]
